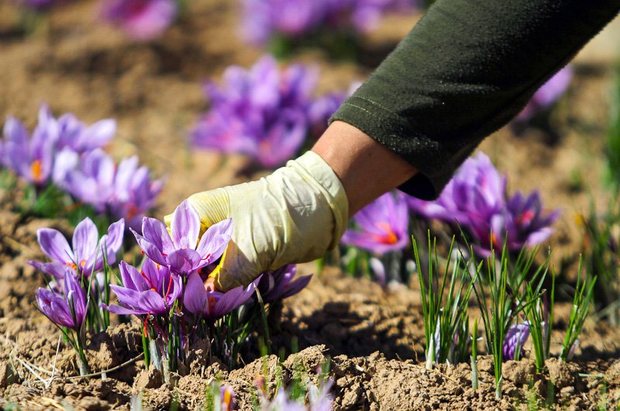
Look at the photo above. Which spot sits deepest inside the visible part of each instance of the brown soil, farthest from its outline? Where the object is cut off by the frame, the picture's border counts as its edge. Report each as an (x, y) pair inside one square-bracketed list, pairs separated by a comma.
[(374, 337)]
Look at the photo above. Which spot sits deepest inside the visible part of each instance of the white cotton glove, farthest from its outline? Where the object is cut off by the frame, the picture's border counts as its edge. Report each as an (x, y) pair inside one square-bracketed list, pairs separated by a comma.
[(291, 216)]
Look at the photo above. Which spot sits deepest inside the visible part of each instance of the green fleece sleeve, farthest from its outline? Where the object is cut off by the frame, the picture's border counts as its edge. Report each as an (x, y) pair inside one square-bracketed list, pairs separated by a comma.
[(464, 71)]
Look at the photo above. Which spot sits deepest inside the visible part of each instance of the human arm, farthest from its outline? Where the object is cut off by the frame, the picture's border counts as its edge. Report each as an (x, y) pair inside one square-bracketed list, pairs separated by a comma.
[(465, 70)]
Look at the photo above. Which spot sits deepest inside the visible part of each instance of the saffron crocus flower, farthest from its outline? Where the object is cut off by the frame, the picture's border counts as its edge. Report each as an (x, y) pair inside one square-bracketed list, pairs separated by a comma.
[(547, 95), (152, 290), (515, 338), (475, 192), (31, 157), (261, 112), (265, 19), (476, 201), (134, 192), (86, 255), (140, 19), (381, 226), (125, 190), (212, 304), (79, 137), (281, 283), (182, 250), (66, 308), (89, 178)]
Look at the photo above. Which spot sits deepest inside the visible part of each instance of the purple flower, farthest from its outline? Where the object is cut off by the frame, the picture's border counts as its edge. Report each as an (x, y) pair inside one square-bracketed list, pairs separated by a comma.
[(134, 192), (264, 19), (476, 201), (89, 178), (476, 192), (79, 137), (181, 249), (66, 308), (382, 226), (125, 191), (261, 112), (85, 256), (515, 338), (547, 94), (281, 283), (54, 147), (140, 19), (213, 304), (31, 157), (152, 290)]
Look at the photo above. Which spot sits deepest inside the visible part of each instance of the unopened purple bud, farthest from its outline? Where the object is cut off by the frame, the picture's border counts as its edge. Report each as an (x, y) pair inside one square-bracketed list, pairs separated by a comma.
[(516, 337)]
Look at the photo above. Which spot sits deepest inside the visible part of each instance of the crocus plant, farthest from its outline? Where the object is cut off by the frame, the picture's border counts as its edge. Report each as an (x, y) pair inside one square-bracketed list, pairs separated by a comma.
[(476, 202), (141, 20), (445, 300), (168, 294), (381, 229), (79, 280), (64, 153), (264, 112)]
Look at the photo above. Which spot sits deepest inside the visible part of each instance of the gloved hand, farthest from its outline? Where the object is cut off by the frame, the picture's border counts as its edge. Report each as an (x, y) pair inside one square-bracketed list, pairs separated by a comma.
[(293, 215)]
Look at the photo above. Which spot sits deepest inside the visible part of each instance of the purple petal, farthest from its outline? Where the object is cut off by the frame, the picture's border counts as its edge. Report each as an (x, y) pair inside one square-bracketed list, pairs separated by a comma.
[(97, 135), (55, 245), (140, 302), (185, 226), (113, 240), (54, 307), (131, 277), (56, 270), (85, 241), (150, 249), (184, 261), (156, 233), (215, 240), (195, 298)]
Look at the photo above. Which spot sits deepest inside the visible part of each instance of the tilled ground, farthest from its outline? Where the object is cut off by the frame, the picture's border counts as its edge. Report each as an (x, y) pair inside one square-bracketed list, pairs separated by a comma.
[(372, 337)]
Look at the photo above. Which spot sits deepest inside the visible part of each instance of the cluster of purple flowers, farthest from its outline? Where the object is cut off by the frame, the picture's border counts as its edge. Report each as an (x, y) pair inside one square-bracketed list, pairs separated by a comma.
[(169, 286), (66, 152), (141, 20), (167, 291), (476, 201), (264, 19), (77, 279), (264, 112)]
